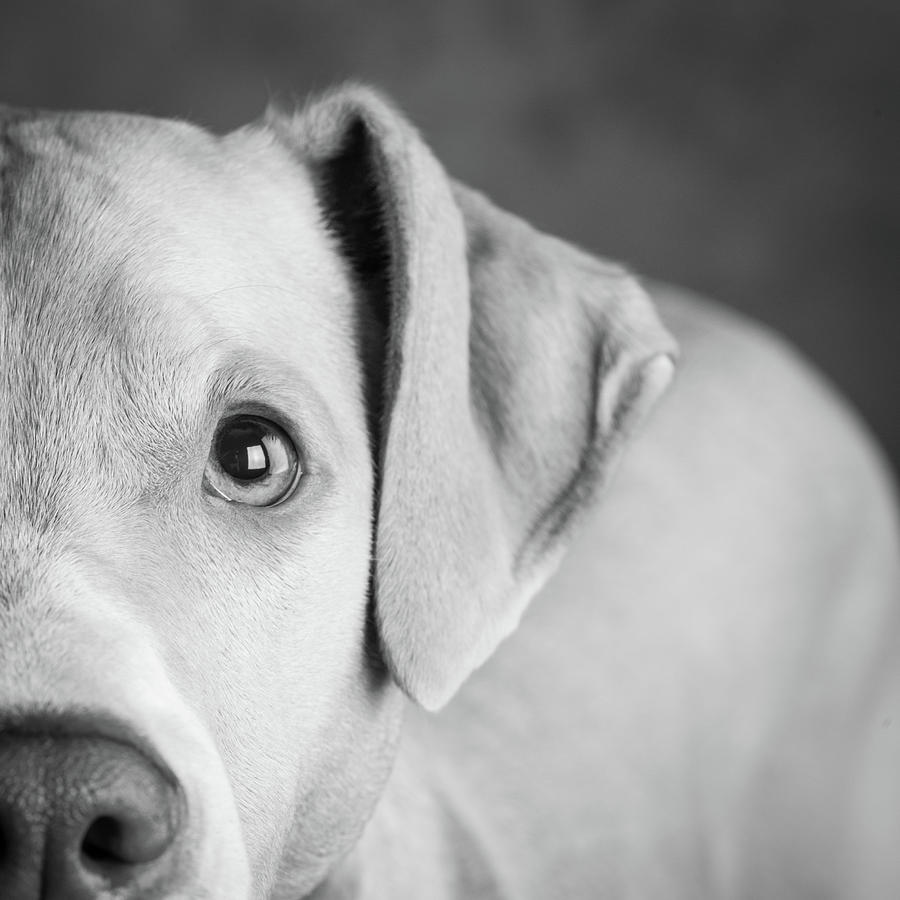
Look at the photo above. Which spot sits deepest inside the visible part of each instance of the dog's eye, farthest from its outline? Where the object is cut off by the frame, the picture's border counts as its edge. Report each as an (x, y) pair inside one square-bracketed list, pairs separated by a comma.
[(251, 461)]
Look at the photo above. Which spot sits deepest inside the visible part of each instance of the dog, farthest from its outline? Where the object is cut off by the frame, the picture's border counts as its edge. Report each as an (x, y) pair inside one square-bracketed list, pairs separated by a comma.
[(294, 431)]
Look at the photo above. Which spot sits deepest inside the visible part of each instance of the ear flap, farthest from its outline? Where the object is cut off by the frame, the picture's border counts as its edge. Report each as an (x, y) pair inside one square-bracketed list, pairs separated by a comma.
[(515, 367)]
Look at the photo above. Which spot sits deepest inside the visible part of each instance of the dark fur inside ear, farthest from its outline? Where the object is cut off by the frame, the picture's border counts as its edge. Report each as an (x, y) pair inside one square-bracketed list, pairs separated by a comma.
[(355, 213), (347, 185)]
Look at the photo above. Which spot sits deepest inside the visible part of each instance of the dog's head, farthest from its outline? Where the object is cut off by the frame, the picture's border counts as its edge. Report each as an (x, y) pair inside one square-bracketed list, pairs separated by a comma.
[(288, 422)]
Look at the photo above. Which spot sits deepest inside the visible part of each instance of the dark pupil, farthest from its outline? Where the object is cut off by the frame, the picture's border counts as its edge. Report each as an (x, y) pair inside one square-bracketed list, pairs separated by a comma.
[(241, 451)]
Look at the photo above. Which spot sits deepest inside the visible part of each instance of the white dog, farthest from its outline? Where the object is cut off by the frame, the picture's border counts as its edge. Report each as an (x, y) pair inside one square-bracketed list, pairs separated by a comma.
[(293, 429)]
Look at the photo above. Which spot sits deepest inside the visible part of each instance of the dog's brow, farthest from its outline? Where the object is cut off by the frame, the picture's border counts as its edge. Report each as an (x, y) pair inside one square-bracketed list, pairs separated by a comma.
[(247, 379), (232, 382), (242, 377)]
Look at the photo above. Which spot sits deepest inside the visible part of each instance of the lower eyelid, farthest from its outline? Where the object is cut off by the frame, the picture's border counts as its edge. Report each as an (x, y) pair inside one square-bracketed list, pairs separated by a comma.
[(214, 491)]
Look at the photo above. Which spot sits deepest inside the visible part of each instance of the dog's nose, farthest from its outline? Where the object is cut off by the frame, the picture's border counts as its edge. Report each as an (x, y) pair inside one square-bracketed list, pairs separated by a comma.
[(84, 817)]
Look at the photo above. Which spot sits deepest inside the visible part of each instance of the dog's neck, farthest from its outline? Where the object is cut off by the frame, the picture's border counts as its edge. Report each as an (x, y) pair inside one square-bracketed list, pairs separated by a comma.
[(418, 842)]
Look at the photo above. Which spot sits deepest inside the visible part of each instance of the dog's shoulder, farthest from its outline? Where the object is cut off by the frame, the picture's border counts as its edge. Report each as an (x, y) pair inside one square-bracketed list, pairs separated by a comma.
[(756, 483)]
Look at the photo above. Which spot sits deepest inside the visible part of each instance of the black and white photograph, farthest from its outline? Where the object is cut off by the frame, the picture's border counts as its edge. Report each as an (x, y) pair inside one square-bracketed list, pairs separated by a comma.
[(449, 450)]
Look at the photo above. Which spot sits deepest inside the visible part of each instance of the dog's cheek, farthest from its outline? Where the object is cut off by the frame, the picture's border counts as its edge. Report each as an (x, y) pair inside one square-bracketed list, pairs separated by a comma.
[(281, 676)]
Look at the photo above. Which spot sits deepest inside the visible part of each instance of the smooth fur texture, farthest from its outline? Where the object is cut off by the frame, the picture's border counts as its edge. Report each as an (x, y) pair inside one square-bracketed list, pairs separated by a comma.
[(701, 702)]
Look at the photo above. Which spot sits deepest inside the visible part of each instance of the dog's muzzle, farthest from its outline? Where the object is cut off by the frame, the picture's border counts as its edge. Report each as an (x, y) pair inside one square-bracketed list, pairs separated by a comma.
[(84, 815)]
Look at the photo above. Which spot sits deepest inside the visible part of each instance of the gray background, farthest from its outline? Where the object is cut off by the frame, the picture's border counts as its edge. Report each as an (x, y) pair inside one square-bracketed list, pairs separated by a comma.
[(745, 149)]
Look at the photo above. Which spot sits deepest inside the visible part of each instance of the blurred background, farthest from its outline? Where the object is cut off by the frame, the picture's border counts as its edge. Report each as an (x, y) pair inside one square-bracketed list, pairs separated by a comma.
[(748, 150)]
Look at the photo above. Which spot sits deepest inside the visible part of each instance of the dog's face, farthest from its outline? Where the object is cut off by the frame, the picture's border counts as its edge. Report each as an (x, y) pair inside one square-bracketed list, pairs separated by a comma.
[(205, 343), (166, 307)]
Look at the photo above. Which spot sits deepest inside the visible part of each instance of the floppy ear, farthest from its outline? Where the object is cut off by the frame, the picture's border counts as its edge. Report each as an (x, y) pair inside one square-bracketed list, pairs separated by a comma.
[(514, 367)]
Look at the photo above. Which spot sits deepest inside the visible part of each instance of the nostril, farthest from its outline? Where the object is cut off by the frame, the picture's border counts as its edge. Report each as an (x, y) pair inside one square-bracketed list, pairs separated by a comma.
[(103, 842), (132, 837), (12, 843)]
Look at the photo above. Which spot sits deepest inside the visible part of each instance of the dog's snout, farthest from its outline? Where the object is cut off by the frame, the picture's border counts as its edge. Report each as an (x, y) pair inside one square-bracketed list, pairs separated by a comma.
[(84, 817)]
